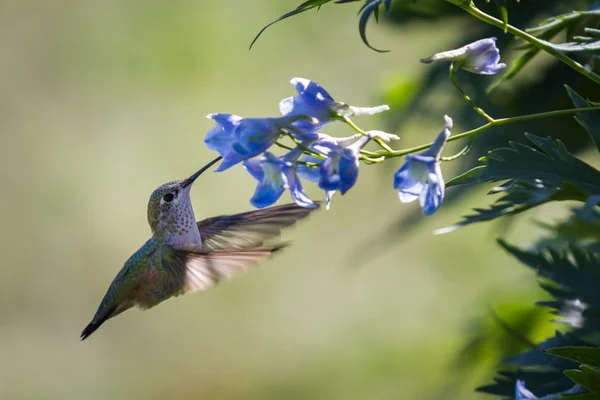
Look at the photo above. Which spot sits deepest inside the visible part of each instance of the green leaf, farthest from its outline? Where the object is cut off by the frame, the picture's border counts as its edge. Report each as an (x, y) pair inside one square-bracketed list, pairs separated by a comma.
[(589, 120), (588, 377), (562, 21), (307, 5), (587, 396), (523, 60), (532, 176), (583, 355), (584, 44), (571, 277), (581, 227)]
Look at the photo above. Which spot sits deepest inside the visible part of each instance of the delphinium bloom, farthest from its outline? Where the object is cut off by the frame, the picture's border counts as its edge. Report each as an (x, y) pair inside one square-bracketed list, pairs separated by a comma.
[(274, 175), (521, 393), (237, 139), (339, 170), (481, 57), (421, 176), (316, 102)]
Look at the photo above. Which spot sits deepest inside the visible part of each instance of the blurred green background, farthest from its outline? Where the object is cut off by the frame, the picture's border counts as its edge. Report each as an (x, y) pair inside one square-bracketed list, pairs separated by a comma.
[(104, 101)]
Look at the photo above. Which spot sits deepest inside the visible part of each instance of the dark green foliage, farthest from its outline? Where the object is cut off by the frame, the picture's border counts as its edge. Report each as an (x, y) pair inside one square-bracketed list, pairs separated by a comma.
[(571, 277), (370, 7), (581, 355), (532, 176), (590, 120)]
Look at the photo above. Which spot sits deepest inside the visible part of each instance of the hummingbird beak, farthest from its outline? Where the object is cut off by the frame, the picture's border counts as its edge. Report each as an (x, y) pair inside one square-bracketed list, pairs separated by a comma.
[(187, 182)]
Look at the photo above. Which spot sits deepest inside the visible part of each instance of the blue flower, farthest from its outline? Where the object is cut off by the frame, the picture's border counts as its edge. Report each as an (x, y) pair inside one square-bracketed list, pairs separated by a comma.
[(481, 57), (521, 393), (339, 170), (274, 175), (314, 101), (237, 139), (421, 176)]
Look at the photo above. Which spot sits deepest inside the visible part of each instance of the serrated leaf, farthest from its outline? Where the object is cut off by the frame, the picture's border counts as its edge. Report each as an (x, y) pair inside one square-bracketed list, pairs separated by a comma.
[(538, 359), (570, 277), (542, 383), (532, 176), (583, 355), (581, 227), (589, 120)]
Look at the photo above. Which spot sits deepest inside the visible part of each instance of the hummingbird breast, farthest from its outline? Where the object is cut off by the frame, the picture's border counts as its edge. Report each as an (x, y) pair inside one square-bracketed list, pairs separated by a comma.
[(152, 289)]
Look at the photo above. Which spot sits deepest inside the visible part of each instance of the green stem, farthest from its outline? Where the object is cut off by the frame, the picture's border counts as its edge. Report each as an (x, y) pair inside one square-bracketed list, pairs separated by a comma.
[(477, 109), (357, 129), (496, 122), (283, 146), (540, 44), (461, 153), (305, 149)]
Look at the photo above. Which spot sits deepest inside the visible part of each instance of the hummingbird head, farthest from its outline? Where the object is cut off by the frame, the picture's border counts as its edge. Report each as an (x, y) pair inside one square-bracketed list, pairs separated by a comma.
[(170, 213)]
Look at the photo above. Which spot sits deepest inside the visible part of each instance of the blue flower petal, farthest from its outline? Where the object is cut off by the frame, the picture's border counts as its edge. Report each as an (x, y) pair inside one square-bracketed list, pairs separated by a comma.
[(229, 160), (256, 135), (409, 180), (328, 195), (421, 175), (521, 393), (272, 183), (220, 138), (254, 167), (312, 100), (431, 198), (297, 191), (266, 195), (311, 174), (340, 170), (480, 57)]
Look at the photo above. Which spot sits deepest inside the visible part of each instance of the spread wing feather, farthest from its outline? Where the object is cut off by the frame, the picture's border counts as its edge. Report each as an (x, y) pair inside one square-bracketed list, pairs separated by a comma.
[(188, 271), (249, 229)]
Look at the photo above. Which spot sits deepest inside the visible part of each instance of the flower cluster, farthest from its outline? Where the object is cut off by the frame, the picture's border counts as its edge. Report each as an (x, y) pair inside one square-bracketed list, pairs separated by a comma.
[(330, 162)]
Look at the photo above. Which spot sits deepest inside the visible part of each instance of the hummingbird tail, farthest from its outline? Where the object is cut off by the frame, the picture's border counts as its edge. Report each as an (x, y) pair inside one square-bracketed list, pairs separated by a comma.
[(95, 324)]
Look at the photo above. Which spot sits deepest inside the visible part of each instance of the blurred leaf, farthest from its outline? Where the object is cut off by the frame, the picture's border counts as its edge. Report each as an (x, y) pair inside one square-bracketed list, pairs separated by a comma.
[(584, 44), (561, 21), (582, 355), (370, 7), (540, 382), (538, 359), (588, 377), (534, 177), (523, 60), (582, 227), (590, 120), (569, 277), (588, 396), (307, 5)]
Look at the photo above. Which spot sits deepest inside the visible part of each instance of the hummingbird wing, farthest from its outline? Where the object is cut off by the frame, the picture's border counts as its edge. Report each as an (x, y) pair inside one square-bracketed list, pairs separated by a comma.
[(189, 271), (250, 229)]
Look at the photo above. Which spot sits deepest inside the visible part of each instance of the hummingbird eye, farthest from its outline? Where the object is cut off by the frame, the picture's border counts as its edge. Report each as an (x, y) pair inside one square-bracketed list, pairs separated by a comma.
[(168, 197)]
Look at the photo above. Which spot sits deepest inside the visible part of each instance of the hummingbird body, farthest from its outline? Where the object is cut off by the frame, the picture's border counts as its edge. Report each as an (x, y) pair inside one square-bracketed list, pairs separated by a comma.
[(185, 256)]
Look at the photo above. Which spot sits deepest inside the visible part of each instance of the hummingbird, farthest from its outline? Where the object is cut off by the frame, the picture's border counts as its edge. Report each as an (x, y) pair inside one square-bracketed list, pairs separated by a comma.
[(185, 256)]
